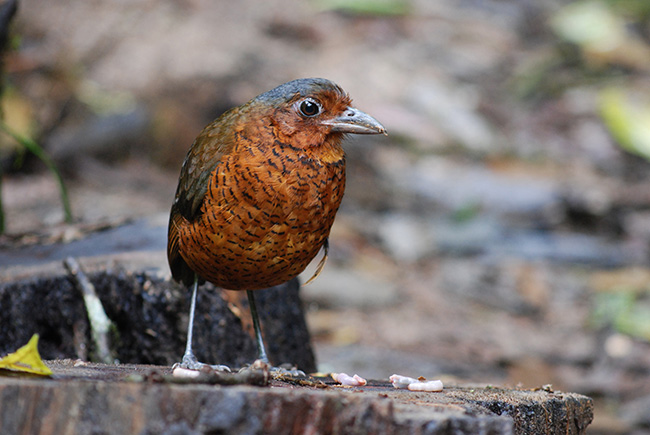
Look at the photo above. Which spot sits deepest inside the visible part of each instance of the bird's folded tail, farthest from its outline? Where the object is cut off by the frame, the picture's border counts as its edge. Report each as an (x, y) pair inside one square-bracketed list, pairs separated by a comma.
[(321, 263)]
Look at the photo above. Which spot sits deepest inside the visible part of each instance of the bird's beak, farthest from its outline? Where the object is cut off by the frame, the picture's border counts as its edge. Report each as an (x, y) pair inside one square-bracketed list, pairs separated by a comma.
[(355, 121)]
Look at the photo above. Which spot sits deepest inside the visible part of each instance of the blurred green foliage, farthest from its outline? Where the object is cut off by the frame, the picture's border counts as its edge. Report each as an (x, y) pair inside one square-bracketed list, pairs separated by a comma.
[(637, 10), (467, 212), (606, 33), (596, 42), (31, 146), (627, 120), (603, 45), (625, 310), (367, 7)]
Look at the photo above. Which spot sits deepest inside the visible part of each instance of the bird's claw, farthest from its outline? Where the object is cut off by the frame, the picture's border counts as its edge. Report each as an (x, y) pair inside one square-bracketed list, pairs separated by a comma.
[(282, 372), (189, 362), (274, 371)]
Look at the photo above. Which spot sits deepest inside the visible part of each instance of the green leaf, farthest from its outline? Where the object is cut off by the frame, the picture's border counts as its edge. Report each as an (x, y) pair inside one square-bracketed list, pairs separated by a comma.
[(627, 121), (367, 7)]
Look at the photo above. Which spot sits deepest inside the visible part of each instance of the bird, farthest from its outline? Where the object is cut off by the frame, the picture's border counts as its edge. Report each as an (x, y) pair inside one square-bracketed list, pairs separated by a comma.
[(258, 192)]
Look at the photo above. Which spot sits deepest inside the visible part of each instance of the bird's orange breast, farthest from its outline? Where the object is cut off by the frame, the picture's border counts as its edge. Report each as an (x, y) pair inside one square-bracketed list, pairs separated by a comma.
[(266, 214)]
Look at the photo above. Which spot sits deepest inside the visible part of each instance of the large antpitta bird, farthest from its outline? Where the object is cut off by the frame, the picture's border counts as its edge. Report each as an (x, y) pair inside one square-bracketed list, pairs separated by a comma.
[(259, 189)]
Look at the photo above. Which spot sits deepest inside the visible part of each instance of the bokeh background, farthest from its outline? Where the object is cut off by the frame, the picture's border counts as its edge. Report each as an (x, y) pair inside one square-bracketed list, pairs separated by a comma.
[(501, 232)]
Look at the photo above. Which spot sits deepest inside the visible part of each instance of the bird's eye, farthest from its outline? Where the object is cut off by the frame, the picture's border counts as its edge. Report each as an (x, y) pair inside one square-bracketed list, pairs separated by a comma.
[(309, 108)]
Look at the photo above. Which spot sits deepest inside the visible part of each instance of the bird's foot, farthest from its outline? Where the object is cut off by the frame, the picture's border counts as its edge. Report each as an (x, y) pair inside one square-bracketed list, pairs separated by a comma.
[(189, 362), (285, 370), (293, 372)]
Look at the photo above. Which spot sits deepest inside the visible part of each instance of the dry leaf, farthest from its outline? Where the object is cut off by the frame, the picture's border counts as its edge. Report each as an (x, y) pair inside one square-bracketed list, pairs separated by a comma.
[(26, 360)]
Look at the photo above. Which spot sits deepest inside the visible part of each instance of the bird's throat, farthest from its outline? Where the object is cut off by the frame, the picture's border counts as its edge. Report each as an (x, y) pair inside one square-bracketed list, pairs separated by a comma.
[(329, 152)]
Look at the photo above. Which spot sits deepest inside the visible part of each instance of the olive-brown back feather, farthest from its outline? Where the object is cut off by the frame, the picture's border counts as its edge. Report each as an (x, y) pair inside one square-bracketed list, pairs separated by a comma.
[(206, 152)]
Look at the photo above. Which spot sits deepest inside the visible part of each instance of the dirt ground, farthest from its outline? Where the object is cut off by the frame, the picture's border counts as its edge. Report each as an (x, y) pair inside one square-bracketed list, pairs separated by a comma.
[(499, 234)]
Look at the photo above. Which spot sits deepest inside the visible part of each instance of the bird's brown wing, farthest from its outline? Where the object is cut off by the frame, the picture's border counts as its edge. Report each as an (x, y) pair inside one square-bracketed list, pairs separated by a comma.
[(215, 141)]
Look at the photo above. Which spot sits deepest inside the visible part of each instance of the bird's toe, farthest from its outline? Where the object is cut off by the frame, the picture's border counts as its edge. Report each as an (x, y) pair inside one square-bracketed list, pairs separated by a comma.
[(189, 362)]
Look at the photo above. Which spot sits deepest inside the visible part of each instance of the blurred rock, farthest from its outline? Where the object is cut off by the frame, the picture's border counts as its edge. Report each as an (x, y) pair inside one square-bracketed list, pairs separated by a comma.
[(455, 185), (489, 284), (637, 412), (350, 289), (560, 248), (405, 237), (144, 235), (408, 238), (469, 237), (453, 109), (108, 137)]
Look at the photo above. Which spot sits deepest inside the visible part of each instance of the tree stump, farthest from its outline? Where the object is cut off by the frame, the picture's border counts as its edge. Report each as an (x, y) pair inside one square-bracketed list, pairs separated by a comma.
[(97, 398)]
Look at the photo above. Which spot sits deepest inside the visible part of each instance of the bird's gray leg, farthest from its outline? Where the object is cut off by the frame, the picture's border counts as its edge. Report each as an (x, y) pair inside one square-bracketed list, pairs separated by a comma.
[(189, 359), (256, 324), (261, 350)]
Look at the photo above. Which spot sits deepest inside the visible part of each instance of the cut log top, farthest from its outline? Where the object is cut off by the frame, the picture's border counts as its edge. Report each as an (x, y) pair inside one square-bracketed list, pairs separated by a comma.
[(96, 398)]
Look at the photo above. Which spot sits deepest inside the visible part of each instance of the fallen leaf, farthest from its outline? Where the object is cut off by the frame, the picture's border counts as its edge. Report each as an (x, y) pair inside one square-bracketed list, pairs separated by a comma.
[(26, 360)]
